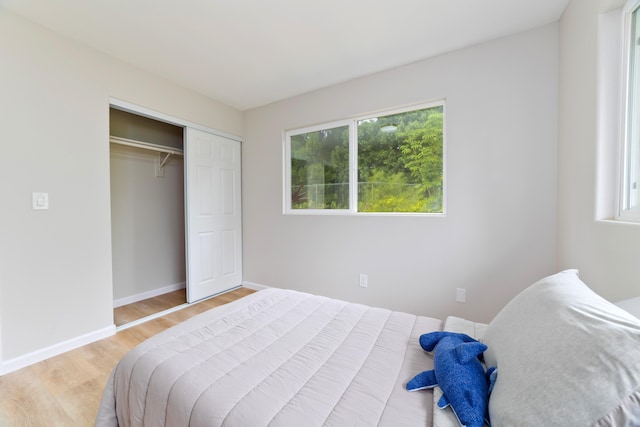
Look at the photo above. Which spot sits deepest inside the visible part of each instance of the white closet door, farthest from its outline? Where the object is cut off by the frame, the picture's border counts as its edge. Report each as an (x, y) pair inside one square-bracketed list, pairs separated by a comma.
[(213, 213)]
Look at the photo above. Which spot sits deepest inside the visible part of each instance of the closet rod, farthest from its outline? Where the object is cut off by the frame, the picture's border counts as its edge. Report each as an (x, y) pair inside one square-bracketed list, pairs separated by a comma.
[(146, 146)]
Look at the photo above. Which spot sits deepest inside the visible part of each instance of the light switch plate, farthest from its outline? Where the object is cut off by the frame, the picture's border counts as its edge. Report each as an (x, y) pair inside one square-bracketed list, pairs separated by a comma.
[(40, 201), (364, 280)]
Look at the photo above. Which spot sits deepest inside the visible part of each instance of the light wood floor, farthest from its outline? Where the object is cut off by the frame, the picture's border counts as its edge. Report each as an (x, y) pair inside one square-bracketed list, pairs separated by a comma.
[(66, 390), (138, 310)]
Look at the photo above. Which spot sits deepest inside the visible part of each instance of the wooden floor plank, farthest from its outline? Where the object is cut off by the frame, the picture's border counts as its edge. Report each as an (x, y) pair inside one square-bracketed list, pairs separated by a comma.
[(61, 373), (66, 390), (26, 401), (138, 310), (85, 414)]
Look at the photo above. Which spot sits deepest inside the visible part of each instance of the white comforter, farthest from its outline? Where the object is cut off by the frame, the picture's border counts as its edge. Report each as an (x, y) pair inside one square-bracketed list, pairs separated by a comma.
[(278, 358)]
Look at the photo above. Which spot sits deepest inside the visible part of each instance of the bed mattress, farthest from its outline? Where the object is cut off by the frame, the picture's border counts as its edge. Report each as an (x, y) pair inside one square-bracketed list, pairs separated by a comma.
[(278, 358)]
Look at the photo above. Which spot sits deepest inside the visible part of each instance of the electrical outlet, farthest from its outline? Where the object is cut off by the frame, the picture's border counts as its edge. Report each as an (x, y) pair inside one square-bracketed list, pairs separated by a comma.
[(363, 280), (40, 201), (461, 295)]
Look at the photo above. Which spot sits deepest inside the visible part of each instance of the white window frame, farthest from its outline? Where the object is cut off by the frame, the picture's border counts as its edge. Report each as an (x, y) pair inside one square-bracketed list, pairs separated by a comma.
[(288, 209), (623, 214), (353, 163)]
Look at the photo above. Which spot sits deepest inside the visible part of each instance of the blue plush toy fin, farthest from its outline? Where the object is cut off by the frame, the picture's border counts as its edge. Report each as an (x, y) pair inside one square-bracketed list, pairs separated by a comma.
[(468, 351), (443, 402), (426, 379), (429, 341)]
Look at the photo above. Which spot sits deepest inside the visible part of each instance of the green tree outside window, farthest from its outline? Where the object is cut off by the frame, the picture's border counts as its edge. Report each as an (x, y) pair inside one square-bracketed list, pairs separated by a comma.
[(399, 164)]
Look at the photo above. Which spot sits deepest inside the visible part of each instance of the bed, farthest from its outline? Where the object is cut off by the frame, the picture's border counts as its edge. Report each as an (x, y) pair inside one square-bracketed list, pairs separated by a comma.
[(286, 358)]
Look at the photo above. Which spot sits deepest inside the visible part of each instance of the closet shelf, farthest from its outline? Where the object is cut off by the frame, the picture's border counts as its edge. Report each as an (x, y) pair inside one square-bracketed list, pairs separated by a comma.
[(146, 145), (169, 151)]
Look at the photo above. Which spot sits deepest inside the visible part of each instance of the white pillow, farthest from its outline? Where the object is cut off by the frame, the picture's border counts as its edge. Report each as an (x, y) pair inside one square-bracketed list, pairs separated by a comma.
[(565, 357)]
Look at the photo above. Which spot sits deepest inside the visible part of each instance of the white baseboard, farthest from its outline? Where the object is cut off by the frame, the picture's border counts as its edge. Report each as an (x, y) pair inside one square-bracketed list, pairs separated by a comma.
[(254, 286), (148, 294), (54, 350)]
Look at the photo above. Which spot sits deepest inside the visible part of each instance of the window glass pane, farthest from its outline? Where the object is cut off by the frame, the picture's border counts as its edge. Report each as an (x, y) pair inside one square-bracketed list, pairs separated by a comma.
[(632, 167), (400, 162), (320, 169)]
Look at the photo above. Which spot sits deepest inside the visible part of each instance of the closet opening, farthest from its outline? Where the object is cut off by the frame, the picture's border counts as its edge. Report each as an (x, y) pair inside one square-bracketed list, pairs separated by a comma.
[(147, 216)]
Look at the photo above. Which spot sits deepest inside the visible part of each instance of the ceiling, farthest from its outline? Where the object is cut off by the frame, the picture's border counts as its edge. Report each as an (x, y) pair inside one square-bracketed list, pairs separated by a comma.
[(249, 53)]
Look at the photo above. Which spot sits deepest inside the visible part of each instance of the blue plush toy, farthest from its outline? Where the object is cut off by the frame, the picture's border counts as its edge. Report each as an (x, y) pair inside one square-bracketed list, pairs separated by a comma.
[(459, 373)]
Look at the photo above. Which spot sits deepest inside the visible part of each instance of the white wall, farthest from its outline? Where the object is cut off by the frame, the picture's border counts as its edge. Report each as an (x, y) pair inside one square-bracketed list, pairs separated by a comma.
[(606, 252), (500, 231), (55, 265)]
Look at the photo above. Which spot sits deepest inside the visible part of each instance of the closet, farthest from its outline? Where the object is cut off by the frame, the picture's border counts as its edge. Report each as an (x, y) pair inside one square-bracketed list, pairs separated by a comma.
[(175, 208), (147, 209)]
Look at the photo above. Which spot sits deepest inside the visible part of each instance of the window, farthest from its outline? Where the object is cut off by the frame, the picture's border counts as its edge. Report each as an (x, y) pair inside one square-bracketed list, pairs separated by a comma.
[(388, 163), (630, 176)]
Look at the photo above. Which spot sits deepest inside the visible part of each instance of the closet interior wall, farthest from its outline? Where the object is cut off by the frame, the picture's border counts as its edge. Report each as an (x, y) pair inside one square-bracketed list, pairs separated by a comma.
[(147, 209)]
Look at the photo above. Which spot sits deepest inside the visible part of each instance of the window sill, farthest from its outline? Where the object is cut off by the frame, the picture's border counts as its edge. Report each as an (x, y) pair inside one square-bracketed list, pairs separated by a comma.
[(623, 222)]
